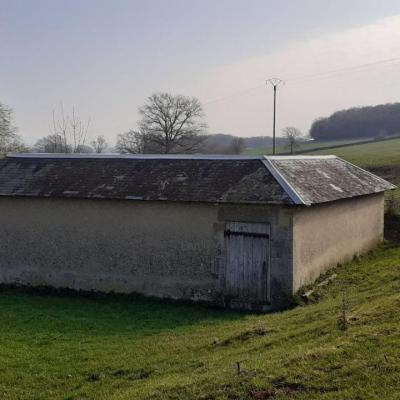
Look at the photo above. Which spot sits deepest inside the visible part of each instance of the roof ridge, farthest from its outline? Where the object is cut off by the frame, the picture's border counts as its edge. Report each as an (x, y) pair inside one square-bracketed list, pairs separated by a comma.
[(137, 156), (167, 156), (301, 157), (286, 186)]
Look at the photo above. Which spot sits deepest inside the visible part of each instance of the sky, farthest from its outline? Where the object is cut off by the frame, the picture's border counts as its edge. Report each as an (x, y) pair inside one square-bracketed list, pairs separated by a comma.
[(105, 57)]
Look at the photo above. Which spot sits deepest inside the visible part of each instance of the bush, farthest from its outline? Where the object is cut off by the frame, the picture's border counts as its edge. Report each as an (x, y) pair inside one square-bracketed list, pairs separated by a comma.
[(392, 204)]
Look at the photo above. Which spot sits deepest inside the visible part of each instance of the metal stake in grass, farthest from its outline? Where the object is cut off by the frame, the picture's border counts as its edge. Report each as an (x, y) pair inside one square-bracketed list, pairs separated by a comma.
[(238, 370), (344, 309)]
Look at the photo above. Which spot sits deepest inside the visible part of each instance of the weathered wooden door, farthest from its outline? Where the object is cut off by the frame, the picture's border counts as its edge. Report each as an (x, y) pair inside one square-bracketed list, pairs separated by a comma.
[(247, 262)]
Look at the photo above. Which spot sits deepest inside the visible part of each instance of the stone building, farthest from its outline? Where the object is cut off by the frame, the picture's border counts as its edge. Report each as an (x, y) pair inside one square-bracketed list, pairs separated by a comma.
[(243, 232)]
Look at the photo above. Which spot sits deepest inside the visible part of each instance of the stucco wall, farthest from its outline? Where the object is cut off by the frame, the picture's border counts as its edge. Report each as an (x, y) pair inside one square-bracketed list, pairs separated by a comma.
[(173, 249), (331, 233), (160, 249), (156, 248)]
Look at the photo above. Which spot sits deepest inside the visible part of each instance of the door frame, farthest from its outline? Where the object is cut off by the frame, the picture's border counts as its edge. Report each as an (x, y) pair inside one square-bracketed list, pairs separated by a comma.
[(268, 235)]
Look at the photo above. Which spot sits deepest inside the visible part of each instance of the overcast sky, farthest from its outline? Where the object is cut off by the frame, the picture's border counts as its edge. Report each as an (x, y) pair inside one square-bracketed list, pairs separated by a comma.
[(106, 56)]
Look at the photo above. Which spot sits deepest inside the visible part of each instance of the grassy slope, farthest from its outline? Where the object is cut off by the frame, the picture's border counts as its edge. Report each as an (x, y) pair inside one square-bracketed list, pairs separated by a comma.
[(55, 347), (303, 146), (371, 154)]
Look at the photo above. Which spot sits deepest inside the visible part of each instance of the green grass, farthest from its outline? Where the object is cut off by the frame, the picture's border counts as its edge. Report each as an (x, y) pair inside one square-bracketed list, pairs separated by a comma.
[(309, 145), (369, 154), (66, 347)]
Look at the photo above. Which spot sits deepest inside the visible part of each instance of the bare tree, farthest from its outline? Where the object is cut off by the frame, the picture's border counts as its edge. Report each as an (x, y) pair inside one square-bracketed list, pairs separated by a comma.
[(70, 130), (56, 144), (10, 141), (131, 142), (292, 136), (237, 145), (169, 124), (99, 144), (50, 144)]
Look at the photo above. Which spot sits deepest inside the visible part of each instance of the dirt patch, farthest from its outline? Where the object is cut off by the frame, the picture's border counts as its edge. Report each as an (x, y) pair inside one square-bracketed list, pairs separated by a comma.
[(281, 387), (262, 394), (131, 375), (244, 336), (94, 376), (288, 387)]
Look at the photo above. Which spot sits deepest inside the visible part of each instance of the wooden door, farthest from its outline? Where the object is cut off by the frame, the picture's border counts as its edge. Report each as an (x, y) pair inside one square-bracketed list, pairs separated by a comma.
[(247, 262)]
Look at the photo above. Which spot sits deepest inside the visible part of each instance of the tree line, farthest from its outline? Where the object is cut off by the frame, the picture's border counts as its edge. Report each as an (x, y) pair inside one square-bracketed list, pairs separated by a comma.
[(361, 122), (168, 124)]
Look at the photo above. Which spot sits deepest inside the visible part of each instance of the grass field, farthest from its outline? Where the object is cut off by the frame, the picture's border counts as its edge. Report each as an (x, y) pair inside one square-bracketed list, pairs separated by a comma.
[(65, 347), (309, 145), (369, 154)]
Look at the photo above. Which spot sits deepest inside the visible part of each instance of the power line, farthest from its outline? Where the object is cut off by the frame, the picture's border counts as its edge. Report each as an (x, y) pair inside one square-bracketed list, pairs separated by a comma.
[(320, 75), (347, 69)]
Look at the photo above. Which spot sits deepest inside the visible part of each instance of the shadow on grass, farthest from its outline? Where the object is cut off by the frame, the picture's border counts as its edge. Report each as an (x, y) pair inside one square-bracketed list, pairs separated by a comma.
[(70, 310)]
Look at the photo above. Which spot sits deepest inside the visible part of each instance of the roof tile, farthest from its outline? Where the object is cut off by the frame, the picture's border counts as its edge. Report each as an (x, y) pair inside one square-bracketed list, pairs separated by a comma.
[(217, 179), (200, 180)]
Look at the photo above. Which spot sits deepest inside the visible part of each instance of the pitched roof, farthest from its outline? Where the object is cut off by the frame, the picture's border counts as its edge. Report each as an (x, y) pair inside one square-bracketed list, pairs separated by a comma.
[(200, 178), (319, 179)]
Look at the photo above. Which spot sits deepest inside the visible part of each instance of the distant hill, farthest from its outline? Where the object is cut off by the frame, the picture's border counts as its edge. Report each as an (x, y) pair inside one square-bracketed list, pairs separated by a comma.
[(362, 122), (220, 143), (263, 141)]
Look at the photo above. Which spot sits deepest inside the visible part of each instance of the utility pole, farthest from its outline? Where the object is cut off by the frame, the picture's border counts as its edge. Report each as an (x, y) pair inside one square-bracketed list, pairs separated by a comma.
[(274, 82)]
